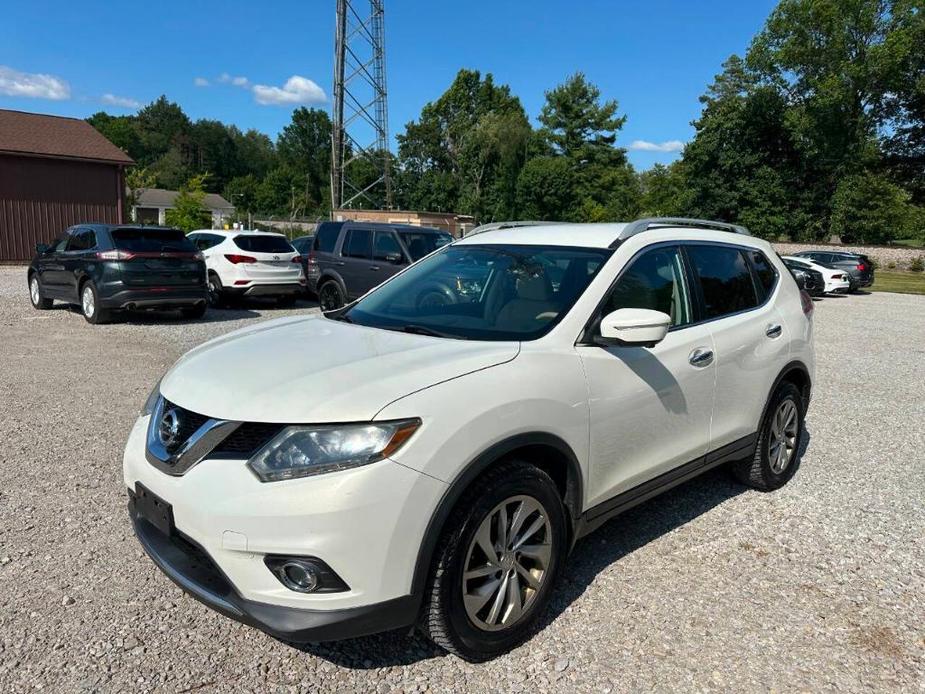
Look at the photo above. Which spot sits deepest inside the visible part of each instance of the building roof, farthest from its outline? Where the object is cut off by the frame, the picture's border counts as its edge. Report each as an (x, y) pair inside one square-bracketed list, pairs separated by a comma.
[(36, 134), (158, 197)]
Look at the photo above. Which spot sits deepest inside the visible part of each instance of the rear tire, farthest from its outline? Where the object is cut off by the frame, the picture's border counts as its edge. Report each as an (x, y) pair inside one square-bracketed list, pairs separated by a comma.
[(777, 454), (194, 312), (90, 304), (331, 296), (39, 302), (480, 603)]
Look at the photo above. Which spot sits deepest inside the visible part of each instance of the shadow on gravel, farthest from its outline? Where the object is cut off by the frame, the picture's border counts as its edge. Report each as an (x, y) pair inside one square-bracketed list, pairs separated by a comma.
[(611, 542)]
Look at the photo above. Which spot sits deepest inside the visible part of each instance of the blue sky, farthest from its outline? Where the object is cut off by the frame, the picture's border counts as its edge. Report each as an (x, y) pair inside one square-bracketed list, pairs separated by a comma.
[(655, 58)]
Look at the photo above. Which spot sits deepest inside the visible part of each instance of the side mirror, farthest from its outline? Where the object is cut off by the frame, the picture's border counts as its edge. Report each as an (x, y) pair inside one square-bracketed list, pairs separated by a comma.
[(394, 258), (42, 248), (633, 327)]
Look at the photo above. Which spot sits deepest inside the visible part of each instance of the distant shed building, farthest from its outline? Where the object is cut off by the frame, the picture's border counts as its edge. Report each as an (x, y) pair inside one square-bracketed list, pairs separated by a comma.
[(456, 224), (153, 203), (54, 172)]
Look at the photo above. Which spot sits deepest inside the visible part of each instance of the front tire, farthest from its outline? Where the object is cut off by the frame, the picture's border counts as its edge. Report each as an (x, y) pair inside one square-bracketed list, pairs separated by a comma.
[(90, 305), (496, 563), (777, 453), (35, 295)]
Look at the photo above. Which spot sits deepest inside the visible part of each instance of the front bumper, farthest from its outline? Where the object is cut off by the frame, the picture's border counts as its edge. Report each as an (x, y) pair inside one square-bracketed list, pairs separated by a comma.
[(192, 569), (365, 523)]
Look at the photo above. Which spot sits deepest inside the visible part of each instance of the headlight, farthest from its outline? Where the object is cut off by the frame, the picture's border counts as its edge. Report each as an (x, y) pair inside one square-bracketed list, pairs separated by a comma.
[(148, 407), (299, 451)]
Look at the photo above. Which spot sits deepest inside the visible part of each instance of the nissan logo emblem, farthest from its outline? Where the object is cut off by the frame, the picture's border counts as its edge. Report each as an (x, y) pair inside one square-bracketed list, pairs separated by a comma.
[(275, 257), (168, 431)]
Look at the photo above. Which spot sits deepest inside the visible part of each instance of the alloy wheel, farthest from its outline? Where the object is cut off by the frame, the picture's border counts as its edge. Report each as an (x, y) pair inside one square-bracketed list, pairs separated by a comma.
[(507, 563), (783, 439), (88, 302), (329, 297), (34, 291)]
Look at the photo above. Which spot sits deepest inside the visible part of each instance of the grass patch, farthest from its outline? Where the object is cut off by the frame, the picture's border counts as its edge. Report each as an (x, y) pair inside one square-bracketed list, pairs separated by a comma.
[(910, 243), (900, 282)]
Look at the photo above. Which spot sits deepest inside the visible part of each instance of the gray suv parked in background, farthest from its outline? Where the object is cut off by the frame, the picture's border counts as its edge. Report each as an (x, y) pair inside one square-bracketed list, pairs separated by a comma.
[(350, 258)]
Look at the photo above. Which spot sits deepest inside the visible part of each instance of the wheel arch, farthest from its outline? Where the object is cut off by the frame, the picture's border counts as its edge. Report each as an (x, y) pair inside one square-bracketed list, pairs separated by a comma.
[(547, 451), (797, 373)]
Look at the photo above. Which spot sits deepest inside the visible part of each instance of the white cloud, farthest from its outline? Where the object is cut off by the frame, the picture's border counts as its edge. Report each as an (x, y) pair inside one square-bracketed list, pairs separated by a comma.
[(646, 146), (238, 81), (33, 85), (121, 101), (297, 90), (201, 82)]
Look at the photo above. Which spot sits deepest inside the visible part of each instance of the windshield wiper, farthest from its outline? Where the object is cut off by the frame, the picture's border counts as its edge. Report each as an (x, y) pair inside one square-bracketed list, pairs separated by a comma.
[(424, 330)]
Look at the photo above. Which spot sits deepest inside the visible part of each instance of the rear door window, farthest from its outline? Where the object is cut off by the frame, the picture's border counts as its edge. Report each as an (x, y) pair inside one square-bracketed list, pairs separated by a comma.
[(386, 245), (420, 244), (357, 244), (263, 243), (725, 279), (326, 236), (765, 274), (152, 241)]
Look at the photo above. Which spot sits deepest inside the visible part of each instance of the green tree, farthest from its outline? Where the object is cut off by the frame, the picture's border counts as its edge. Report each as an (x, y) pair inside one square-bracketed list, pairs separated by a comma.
[(162, 125), (304, 147), (188, 212), (869, 208), (544, 189), (122, 131), (137, 178), (663, 191)]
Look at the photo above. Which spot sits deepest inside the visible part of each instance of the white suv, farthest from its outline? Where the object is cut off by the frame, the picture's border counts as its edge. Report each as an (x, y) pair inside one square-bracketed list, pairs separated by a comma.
[(250, 263), (398, 463)]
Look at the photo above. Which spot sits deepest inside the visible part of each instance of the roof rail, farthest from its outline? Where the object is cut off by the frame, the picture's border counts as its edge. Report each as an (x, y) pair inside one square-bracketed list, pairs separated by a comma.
[(641, 225), (493, 226)]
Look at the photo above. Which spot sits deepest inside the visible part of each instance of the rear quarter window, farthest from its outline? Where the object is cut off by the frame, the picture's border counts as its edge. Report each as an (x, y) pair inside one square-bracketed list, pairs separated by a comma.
[(765, 274), (326, 236), (263, 244)]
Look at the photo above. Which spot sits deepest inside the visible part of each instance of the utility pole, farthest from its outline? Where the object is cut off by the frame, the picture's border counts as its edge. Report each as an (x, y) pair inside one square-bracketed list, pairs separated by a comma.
[(360, 117)]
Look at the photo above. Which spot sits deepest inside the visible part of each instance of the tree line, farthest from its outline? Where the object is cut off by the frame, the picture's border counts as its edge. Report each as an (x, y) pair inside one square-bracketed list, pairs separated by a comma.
[(818, 129)]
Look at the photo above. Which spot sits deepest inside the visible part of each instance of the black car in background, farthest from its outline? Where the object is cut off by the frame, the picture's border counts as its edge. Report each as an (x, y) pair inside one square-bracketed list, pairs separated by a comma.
[(103, 268), (858, 267), (813, 282), (303, 244), (348, 259)]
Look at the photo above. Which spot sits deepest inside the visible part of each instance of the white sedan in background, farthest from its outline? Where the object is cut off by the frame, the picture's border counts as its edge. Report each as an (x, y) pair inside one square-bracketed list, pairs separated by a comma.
[(836, 281)]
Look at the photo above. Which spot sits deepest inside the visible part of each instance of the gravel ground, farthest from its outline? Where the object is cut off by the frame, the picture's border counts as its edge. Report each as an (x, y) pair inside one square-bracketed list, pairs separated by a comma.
[(819, 586)]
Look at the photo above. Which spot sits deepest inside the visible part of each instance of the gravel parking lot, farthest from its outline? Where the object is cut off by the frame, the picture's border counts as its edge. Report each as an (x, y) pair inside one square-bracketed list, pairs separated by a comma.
[(819, 586)]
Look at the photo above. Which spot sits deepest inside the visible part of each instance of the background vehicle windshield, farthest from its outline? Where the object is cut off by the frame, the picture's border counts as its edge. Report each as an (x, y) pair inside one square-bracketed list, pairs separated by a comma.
[(263, 244), (152, 240), (483, 292), (420, 244)]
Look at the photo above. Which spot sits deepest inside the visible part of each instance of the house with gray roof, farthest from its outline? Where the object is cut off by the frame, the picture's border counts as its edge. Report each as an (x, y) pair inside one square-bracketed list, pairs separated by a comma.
[(152, 205)]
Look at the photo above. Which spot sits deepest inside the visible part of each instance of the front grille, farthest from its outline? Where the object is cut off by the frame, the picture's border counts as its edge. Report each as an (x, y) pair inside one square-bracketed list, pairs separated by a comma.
[(246, 440), (189, 421)]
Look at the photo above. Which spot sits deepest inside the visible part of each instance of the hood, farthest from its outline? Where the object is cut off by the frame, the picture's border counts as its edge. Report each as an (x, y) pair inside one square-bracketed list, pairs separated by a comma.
[(314, 370)]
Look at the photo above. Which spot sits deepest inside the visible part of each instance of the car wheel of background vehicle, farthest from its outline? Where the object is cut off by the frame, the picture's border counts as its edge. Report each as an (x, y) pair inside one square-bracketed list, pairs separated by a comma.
[(216, 290), (286, 301), (194, 312), (331, 296), (35, 294), (496, 563), (778, 450), (90, 304)]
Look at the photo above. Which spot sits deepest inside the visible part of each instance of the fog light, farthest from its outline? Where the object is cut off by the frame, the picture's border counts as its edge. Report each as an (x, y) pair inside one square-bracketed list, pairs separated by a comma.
[(305, 574), (300, 576)]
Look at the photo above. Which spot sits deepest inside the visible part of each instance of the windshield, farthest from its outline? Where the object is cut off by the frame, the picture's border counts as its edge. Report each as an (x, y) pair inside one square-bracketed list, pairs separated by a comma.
[(482, 292), (420, 244), (152, 240)]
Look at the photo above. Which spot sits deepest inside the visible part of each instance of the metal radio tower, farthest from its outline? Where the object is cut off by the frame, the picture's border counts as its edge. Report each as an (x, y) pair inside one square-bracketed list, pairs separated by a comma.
[(360, 112)]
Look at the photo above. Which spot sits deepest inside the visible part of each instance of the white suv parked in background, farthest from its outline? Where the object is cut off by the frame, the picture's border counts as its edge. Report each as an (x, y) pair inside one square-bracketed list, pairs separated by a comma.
[(398, 463), (250, 263)]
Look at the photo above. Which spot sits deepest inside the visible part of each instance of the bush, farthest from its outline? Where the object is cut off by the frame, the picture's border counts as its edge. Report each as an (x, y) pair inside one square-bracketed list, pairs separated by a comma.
[(917, 264), (869, 208), (891, 265)]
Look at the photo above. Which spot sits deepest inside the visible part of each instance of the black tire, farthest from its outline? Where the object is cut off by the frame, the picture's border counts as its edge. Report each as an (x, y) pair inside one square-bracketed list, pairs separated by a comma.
[(330, 296), (287, 301), (758, 472), (194, 312), (216, 296), (91, 310), (35, 292), (444, 618)]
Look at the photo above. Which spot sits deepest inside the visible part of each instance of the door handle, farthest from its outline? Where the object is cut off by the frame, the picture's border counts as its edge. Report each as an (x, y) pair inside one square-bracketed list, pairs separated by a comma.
[(701, 357), (774, 331), (340, 263), (373, 267)]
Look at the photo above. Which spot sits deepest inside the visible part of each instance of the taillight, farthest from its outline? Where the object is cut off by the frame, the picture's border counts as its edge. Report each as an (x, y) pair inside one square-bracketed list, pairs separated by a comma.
[(861, 267), (297, 259), (115, 255), (235, 259), (311, 258), (807, 302)]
